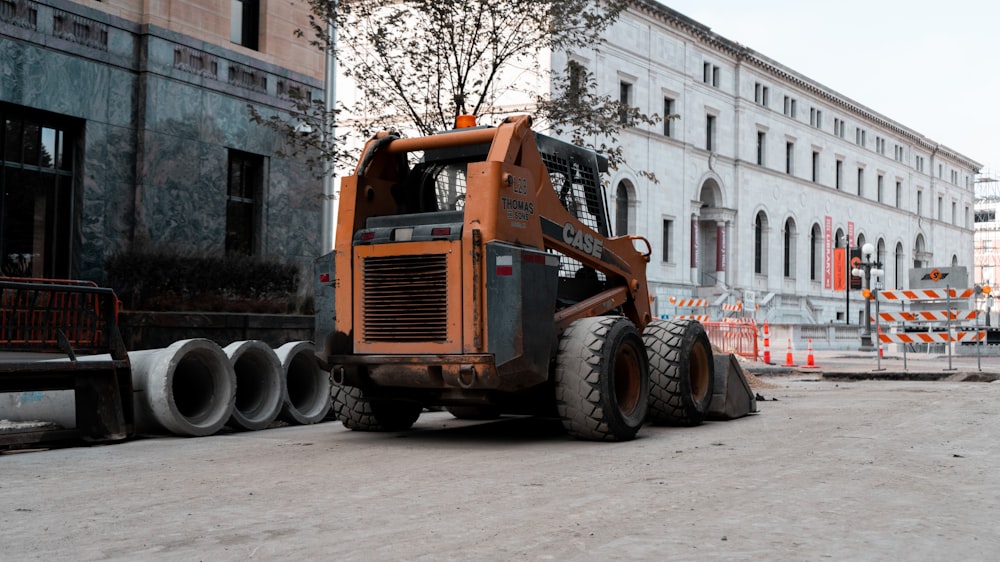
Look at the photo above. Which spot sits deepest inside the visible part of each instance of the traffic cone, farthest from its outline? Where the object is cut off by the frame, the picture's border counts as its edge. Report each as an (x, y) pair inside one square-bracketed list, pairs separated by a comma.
[(767, 345), (789, 360), (810, 360)]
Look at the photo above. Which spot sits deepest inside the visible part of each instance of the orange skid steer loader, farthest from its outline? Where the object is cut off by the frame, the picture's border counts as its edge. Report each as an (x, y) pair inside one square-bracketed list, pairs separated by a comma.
[(474, 270)]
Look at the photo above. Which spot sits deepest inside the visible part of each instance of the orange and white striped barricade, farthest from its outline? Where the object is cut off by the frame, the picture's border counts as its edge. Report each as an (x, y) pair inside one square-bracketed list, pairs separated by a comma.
[(949, 315), (690, 303)]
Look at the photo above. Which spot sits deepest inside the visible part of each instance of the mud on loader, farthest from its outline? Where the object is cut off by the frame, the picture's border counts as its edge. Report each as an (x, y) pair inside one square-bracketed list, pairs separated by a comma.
[(475, 270)]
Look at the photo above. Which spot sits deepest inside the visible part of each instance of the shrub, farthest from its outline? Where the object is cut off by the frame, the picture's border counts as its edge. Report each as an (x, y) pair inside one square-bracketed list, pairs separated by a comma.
[(161, 281)]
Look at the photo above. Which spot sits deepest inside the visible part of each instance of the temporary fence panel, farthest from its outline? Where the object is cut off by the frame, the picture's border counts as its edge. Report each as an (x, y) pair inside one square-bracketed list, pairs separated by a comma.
[(734, 337)]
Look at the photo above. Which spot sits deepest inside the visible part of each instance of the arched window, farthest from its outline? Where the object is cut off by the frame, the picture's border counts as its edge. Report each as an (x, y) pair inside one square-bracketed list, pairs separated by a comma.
[(918, 250), (621, 208), (789, 248), (815, 252), (760, 244), (880, 257), (898, 275)]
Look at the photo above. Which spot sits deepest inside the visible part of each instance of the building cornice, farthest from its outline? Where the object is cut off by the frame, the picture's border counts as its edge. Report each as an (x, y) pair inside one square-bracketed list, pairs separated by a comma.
[(740, 53)]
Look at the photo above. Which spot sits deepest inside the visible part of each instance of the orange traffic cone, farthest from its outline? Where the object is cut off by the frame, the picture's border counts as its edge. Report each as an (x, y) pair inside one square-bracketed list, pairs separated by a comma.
[(767, 345), (810, 360), (789, 361)]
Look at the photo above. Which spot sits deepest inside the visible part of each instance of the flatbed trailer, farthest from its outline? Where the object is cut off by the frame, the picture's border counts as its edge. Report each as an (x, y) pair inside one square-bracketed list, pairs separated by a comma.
[(63, 335)]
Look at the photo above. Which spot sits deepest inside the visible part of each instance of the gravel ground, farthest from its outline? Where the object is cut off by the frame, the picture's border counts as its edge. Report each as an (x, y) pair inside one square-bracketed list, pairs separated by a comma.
[(869, 470)]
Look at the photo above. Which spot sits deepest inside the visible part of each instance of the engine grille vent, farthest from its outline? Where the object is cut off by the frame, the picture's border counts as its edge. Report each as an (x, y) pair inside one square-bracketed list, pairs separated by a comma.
[(405, 298)]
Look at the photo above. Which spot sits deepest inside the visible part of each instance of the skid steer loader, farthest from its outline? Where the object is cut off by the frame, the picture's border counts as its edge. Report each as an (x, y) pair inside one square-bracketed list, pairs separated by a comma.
[(474, 270)]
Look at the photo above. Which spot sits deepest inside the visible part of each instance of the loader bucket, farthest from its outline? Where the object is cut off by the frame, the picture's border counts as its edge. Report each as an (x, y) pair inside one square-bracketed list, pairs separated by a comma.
[(732, 398)]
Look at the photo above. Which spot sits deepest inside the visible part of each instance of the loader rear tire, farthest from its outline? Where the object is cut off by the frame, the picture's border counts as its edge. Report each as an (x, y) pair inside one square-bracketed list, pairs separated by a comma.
[(681, 372), (602, 379), (359, 413)]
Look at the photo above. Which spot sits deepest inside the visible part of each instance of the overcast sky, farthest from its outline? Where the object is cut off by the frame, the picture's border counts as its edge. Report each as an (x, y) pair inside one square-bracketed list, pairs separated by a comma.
[(931, 66)]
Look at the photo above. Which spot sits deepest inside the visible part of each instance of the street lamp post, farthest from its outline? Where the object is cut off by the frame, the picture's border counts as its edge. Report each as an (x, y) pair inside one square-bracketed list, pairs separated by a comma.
[(871, 273)]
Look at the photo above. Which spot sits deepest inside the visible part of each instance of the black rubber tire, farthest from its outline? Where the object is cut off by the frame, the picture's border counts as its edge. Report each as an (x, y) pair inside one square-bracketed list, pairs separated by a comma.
[(602, 379), (474, 412), (681, 372), (360, 414)]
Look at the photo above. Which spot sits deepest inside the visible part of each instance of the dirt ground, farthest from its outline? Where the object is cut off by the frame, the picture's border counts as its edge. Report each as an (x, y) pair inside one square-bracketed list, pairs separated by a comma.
[(845, 471)]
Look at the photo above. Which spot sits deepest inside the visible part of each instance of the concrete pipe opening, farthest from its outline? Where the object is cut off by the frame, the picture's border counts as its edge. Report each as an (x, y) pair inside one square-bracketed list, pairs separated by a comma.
[(188, 388), (307, 388), (259, 384)]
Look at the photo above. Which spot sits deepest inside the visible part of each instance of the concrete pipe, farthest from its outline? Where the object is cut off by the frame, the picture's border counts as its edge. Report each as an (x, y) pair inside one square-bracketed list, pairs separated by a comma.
[(259, 384), (307, 388), (188, 388)]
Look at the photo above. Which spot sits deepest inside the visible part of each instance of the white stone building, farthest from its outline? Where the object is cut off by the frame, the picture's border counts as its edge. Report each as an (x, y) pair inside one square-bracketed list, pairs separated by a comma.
[(765, 172)]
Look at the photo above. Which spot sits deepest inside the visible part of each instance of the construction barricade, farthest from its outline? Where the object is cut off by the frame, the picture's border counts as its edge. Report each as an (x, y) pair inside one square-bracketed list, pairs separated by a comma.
[(907, 328), (690, 303), (734, 337)]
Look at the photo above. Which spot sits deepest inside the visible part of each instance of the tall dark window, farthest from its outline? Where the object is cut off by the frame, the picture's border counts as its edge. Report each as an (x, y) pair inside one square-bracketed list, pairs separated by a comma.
[(625, 97), (710, 132), (577, 81), (815, 175), (668, 117), (244, 22), (760, 247), (761, 143), (668, 238), (36, 193), (621, 209), (244, 193), (789, 155)]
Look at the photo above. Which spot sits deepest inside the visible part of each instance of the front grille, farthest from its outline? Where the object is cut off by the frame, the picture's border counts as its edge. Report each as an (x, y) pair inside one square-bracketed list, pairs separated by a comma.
[(405, 298)]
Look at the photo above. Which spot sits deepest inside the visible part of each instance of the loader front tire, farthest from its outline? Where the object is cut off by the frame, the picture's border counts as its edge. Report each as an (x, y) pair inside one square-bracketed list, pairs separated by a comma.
[(681, 371), (602, 379), (359, 413)]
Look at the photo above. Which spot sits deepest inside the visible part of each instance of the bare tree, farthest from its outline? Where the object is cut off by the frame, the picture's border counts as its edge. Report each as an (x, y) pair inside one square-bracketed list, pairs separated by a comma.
[(417, 64)]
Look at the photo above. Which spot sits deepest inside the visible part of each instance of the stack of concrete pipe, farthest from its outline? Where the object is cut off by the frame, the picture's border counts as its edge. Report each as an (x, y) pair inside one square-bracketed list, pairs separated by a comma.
[(194, 388)]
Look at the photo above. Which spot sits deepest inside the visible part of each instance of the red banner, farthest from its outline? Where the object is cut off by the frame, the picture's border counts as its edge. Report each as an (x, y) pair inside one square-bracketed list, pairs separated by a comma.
[(840, 269), (828, 267)]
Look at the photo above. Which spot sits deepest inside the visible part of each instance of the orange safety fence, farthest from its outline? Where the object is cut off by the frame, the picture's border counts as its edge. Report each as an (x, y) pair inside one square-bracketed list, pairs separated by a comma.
[(733, 337), (46, 314)]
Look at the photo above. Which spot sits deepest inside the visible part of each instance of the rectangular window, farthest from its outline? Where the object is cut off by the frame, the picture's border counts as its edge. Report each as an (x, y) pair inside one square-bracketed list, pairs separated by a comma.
[(37, 203), (861, 181), (880, 188), (715, 76), (761, 143), (760, 94), (244, 22), (243, 197), (984, 215), (790, 107), (954, 213), (920, 203), (707, 73), (840, 175), (838, 127), (625, 97), (940, 208), (899, 193), (668, 238), (710, 133), (668, 117), (815, 168), (789, 154)]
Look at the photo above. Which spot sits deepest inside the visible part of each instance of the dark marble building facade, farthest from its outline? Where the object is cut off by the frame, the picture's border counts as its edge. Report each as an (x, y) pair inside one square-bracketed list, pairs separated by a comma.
[(118, 135)]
